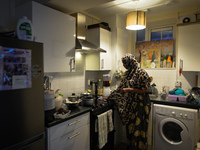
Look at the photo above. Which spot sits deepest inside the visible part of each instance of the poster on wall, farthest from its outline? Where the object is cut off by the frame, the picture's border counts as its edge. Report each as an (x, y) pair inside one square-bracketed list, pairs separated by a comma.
[(150, 56), (166, 47), (15, 68)]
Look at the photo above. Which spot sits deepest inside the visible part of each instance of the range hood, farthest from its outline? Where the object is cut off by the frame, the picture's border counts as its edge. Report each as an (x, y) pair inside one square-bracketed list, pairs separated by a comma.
[(82, 45), (86, 47)]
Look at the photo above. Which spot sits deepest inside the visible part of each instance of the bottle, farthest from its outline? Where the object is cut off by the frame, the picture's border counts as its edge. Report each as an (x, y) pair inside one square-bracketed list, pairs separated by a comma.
[(58, 99), (99, 88), (164, 62), (24, 29), (169, 62), (161, 62)]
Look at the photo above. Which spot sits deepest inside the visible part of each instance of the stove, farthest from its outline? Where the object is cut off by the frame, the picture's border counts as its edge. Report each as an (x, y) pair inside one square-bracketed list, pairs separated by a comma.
[(95, 111)]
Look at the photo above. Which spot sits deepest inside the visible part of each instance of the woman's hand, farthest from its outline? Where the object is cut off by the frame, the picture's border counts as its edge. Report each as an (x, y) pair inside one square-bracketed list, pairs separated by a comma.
[(126, 90)]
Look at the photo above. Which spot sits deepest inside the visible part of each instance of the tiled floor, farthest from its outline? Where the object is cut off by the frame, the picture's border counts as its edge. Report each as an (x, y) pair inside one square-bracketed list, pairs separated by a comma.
[(123, 146)]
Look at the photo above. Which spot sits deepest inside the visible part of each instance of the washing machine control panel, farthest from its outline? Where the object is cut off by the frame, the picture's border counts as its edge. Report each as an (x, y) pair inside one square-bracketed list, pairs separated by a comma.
[(176, 112)]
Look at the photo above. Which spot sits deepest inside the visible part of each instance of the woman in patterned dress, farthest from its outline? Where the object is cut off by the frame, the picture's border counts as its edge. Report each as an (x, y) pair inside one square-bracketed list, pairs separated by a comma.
[(133, 103)]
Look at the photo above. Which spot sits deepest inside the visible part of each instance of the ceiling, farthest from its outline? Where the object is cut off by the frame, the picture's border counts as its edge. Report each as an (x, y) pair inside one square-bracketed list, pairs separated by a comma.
[(102, 8)]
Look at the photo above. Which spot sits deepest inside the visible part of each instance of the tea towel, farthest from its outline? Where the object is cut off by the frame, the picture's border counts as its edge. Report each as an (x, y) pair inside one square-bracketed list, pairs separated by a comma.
[(103, 129)]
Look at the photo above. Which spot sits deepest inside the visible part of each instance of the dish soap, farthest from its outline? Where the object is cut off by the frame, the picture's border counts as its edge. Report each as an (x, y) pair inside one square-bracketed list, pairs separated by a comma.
[(24, 29), (169, 62)]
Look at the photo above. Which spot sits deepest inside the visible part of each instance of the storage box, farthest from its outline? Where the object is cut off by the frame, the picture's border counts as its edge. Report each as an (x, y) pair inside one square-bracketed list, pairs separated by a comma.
[(177, 98)]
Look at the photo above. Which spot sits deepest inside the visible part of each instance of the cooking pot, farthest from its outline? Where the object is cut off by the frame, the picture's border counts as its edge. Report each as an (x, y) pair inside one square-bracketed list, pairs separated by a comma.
[(87, 99), (87, 95), (73, 98)]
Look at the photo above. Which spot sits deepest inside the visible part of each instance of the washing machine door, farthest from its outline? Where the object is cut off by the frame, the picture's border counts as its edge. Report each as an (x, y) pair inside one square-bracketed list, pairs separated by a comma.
[(173, 131)]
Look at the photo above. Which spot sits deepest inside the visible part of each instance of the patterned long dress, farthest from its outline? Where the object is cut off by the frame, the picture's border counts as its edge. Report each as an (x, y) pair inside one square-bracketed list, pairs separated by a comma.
[(133, 108)]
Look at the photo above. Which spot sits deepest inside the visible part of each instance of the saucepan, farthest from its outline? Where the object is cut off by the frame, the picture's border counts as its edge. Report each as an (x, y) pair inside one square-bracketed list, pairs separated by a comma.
[(88, 99)]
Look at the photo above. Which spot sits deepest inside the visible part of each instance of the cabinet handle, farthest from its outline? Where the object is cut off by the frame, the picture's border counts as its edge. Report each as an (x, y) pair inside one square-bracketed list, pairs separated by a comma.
[(73, 122), (102, 63), (74, 135), (72, 64)]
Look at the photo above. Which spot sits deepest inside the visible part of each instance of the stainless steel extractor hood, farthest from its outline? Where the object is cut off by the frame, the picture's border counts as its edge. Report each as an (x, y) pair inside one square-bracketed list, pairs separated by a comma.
[(82, 45)]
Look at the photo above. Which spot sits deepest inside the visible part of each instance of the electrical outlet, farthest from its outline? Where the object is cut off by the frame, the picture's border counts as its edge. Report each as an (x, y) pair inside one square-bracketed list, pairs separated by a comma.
[(88, 82), (178, 83)]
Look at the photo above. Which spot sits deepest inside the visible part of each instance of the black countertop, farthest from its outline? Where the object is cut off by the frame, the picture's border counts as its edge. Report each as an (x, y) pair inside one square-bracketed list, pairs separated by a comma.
[(159, 100), (74, 113)]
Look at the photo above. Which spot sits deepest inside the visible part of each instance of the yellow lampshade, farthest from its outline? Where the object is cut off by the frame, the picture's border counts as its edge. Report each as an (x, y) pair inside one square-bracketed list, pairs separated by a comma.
[(136, 20)]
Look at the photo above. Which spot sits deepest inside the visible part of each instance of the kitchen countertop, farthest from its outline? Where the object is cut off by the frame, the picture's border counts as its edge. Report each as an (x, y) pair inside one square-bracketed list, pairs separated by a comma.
[(159, 100), (74, 113)]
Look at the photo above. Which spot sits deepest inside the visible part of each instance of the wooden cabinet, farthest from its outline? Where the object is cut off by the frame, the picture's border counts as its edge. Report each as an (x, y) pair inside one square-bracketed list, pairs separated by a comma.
[(189, 46), (102, 38), (56, 30), (73, 134)]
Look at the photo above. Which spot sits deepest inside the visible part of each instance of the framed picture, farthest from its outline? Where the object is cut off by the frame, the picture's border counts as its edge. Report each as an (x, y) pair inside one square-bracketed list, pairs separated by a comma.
[(149, 56)]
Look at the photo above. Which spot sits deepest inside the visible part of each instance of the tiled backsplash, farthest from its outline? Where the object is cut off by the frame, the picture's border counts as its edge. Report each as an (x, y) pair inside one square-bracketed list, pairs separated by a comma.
[(168, 78), (70, 82), (163, 78)]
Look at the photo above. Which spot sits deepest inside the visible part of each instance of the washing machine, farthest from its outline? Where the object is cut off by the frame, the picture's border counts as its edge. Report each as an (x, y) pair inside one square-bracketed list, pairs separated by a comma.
[(174, 128)]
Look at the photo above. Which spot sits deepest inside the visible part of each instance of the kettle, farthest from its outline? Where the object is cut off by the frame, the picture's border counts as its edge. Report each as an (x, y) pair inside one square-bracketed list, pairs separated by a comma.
[(47, 82)]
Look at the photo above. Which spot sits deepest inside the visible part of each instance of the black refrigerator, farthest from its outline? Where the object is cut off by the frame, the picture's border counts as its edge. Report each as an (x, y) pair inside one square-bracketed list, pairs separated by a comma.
[(21, 94)]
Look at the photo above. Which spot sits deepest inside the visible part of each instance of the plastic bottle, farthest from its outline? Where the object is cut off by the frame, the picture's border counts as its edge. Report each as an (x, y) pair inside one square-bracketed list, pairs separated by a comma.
[(58, 99), (24, 29), (169, 62), (100, 88), (164, 62), (161, 62)]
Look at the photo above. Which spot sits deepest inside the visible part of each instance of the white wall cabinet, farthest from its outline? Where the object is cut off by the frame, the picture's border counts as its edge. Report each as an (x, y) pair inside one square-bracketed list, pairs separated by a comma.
[(56, 30), (73, 134), (189, 46), (102, 38)]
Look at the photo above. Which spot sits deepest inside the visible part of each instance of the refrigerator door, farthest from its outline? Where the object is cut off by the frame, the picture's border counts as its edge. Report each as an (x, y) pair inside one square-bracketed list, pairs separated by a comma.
[(22, 110)]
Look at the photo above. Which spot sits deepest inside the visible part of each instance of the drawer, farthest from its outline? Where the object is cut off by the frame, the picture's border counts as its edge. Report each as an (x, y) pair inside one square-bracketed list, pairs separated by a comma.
[(77, 140), (68, 126)]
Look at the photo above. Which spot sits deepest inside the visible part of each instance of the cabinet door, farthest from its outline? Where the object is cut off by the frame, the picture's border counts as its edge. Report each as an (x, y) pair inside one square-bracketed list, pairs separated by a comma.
[(77, 140), (101, 38), (105, 43), (189, 46), (56, 30)]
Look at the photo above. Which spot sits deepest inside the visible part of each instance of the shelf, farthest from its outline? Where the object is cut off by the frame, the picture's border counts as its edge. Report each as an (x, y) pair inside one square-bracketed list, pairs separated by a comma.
[(189, 23), (159, 68)]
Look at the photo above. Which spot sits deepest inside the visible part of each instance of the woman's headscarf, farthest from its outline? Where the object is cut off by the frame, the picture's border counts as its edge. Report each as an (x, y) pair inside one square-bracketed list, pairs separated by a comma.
[(131, 64), (129, 61)]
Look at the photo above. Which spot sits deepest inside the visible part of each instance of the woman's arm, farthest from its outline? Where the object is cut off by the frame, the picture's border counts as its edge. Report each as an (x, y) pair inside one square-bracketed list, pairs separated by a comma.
[(126, 90)]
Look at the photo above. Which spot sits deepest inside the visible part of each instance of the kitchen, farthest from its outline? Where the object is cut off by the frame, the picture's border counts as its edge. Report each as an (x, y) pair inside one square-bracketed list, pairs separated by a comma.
[(77, 82)]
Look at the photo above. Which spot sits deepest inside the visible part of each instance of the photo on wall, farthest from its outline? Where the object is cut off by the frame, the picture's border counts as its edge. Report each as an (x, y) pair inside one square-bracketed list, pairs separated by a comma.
[(143, 52), (150, 57)]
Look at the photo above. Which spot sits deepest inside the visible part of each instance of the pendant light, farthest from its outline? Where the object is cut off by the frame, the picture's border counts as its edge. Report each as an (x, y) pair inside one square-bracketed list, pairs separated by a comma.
[(136, 20)]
